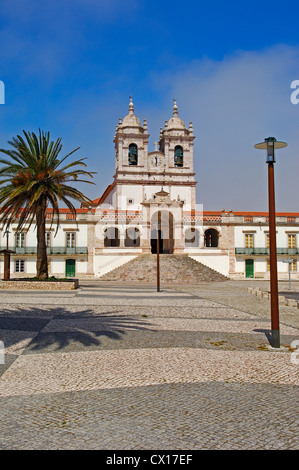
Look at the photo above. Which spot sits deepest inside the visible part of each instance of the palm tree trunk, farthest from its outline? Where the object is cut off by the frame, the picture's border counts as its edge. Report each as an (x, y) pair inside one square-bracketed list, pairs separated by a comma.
[(42, 260)]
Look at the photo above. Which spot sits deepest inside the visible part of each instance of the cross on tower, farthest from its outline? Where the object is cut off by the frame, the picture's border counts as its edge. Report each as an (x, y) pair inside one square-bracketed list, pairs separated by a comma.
[(156, 146)]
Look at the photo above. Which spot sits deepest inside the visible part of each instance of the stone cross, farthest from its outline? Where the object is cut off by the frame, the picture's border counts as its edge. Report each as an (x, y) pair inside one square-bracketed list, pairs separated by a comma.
[(156, 146)]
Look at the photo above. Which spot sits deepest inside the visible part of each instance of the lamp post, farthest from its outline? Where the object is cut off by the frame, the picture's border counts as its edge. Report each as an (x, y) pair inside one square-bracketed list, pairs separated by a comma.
[(6, 257), (289, 261), (270, 144), (158, 254)]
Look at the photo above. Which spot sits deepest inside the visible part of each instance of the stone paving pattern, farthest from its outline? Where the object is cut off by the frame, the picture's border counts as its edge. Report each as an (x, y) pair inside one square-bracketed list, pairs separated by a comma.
[(120, 366)]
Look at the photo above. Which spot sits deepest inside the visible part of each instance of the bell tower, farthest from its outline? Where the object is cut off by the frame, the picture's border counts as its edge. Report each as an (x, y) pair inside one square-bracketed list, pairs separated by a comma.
[(140, 174), (176, 142), (131, 146)]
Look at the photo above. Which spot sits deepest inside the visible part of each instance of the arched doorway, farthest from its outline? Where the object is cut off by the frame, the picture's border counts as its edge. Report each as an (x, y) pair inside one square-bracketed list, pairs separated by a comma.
[(163, 220), (211, 238)]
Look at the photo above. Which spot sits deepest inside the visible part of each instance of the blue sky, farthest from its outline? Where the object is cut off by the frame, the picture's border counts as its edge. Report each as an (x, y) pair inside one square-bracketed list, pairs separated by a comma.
[(69, 67)]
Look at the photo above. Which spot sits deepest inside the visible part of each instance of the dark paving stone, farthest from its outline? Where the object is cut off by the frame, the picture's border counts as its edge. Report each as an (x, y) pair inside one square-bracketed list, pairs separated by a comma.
[(118, 338), (22, 324), (172, 416)]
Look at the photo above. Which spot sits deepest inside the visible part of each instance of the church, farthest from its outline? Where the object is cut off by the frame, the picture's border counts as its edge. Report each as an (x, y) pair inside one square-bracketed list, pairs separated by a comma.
[(151, 204)]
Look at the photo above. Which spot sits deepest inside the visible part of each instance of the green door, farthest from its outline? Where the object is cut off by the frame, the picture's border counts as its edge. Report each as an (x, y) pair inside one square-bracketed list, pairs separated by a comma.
[(249, 268), (70, 268)]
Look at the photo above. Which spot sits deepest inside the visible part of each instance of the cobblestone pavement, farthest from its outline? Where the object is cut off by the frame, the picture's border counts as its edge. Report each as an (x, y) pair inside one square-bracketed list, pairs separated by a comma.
[(124, 367)]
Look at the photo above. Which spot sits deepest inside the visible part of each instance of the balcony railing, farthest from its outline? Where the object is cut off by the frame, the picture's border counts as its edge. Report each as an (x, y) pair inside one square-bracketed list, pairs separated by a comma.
[(266, 251), (53, 250)]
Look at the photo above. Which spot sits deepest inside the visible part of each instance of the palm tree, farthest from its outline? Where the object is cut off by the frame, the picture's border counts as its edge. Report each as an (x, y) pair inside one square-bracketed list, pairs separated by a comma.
[(35, 178)]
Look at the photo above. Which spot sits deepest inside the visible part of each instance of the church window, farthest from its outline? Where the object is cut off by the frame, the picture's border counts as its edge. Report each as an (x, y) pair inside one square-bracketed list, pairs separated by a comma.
[(178, 156), (133, 154), (191, 238), (132, 237), (211, 238), (111, 237)]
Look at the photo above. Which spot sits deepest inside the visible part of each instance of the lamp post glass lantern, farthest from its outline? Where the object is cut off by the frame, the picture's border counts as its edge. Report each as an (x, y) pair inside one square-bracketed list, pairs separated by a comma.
[(270, 144)]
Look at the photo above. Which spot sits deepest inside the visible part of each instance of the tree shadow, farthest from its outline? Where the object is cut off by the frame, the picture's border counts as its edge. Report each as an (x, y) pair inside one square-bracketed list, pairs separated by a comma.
[(30, 330)]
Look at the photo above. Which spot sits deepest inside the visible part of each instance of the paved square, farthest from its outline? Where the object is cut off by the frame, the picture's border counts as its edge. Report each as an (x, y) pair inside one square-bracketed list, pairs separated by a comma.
[(124, 367)]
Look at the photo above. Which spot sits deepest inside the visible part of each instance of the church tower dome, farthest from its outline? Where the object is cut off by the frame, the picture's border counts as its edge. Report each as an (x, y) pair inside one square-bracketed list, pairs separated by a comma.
[(175, 123), (131, 145), (131, 123)]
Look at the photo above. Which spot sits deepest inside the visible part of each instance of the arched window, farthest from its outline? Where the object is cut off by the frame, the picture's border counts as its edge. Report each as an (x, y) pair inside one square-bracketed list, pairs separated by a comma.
[(133, 154), (211, 238), (191, 238), (178, 156), (132, 237), (111, 237)]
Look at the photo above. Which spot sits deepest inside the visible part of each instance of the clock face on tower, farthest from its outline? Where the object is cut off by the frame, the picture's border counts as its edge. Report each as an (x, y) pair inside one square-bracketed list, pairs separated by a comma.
[(157, 160)]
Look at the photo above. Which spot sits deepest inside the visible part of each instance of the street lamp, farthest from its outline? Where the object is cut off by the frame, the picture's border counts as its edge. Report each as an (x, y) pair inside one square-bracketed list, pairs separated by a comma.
[(289, 261), (6, 253), (158, 253), (270, 144)]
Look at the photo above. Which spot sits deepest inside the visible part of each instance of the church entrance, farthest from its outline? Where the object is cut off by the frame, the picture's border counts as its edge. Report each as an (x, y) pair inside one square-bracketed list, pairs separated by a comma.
[(162, 231)]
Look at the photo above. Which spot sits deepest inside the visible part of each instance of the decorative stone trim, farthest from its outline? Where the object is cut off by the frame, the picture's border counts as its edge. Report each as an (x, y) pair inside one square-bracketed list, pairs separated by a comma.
[(39, 285)]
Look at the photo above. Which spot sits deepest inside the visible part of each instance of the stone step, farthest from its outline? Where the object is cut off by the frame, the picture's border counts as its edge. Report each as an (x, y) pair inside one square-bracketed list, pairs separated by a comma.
[(176, 269)]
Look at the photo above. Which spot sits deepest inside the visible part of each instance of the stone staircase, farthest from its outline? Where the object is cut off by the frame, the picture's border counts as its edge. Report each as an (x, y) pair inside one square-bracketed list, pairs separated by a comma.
[(174, 269)]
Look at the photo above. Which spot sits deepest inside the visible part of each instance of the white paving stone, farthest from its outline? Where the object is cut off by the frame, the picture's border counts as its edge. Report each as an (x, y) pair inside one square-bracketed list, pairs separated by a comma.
[(60, 372)]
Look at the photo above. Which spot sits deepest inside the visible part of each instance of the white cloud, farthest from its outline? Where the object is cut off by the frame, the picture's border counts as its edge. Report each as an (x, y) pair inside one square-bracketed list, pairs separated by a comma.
[(235, 103)]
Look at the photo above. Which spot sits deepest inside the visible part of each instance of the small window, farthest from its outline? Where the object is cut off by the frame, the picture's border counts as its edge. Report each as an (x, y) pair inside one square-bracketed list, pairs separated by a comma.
[(19, 266), (70, 240), (292, 241), (20, 240), (178, 156), (133, 154), (130, 201), (48, 239), (248, 240)]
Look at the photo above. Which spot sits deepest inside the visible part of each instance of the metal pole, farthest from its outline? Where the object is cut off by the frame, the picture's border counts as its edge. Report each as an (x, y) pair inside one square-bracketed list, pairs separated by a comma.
[(289, 276), (158, 258), (273, 260)]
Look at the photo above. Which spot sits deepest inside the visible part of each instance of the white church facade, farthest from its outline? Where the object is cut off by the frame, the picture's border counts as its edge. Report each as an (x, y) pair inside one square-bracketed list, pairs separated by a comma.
[(151, 201)]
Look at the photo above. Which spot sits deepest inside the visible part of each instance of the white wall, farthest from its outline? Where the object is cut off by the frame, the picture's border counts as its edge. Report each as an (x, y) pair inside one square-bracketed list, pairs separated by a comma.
[(218, 263)]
